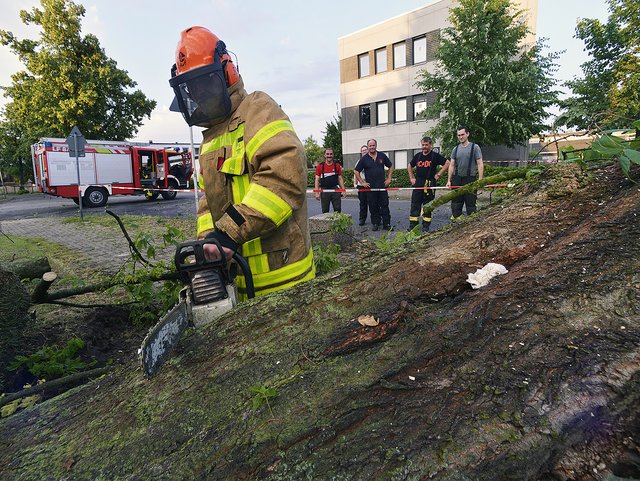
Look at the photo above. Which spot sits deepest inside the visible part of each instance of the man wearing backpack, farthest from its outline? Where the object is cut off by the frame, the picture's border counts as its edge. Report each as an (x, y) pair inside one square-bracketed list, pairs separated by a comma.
[(329, 176), (466, 163)]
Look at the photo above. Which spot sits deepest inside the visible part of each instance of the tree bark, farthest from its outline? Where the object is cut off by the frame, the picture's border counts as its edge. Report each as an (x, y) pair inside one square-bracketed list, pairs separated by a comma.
[(533, 377), (28, 268)]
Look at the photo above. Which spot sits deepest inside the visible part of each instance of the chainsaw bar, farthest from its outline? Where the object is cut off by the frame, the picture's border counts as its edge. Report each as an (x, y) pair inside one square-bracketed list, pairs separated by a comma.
[(162, 338)]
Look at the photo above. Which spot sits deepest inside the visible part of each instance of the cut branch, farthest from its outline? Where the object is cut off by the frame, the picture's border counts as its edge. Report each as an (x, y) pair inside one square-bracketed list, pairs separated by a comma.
[(40, 291), (77, 378), (132, 245), (101, 286)]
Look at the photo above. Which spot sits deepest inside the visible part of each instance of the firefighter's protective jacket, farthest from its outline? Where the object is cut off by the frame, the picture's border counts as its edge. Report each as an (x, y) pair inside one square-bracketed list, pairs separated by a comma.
[(255, 177)]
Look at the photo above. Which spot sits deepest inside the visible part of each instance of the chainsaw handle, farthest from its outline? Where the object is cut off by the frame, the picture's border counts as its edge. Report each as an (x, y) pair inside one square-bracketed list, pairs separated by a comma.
[(246, 271), (194, 251)]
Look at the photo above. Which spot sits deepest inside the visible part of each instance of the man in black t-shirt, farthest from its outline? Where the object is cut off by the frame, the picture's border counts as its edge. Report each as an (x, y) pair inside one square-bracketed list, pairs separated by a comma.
[(373, 165), (426, 163)]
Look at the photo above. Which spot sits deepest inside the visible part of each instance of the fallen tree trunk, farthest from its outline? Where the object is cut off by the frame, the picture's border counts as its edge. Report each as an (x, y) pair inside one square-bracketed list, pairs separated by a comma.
[(536, 376), (28, 268)]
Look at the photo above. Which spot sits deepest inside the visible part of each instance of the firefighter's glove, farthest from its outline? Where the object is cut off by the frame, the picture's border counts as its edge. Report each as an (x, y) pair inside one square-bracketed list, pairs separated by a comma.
[(229, 245)]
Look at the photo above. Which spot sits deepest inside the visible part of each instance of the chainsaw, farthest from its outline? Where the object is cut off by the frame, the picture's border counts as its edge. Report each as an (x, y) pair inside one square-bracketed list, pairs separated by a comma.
[(210, 292)]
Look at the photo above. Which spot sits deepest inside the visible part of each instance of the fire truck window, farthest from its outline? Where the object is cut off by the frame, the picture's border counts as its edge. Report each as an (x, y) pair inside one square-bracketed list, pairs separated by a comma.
[(146, 164), (176, 166)]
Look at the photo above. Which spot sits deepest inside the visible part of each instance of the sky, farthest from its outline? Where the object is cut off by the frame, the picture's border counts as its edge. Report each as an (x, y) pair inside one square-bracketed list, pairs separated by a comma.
[(286, 48)]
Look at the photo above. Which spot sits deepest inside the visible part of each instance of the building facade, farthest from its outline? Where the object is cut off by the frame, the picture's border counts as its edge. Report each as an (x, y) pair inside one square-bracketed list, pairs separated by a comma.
[(379, 66)]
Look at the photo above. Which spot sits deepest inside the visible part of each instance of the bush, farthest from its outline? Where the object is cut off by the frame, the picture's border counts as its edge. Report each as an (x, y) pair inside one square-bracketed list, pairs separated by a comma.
[(326, 258)]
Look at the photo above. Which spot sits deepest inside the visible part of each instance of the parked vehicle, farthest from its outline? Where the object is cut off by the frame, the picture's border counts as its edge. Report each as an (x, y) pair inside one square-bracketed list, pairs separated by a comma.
[(110, 168)]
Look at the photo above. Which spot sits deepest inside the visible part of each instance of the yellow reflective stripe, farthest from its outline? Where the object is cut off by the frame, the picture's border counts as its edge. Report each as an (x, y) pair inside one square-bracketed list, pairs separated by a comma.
[(102, 150), (283, 274), (242, 296), (259, 264), (264, 134), (240, 185), (252, 247), (205, 222), (412, 218), (268, 203), (201, 182), (225, 139), (235, 139), (426, 219)]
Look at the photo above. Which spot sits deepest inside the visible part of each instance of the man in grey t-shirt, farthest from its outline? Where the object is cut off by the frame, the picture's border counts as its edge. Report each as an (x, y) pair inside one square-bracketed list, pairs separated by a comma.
[(466, 163)]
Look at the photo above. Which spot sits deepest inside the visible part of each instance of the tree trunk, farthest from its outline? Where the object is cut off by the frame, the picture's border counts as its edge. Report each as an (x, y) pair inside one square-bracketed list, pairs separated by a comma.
[(14, 303), (28, 268), (535, 376)]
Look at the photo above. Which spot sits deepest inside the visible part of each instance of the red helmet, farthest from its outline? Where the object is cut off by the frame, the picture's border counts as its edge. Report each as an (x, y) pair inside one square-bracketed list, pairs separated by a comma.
[(201, 76)]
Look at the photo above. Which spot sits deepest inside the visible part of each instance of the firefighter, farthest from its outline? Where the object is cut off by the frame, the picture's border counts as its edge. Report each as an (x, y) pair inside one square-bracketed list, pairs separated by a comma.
[(253, 166)]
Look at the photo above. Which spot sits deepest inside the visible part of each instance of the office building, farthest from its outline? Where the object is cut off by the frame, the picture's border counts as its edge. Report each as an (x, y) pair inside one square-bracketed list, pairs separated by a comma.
[(379, 66)]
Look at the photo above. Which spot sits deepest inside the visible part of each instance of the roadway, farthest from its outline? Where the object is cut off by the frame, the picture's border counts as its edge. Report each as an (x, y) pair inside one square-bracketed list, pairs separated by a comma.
[(15, 207)]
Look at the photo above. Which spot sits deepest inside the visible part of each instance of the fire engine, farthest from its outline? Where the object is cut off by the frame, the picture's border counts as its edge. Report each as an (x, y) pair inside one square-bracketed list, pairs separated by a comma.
[(110, 168)]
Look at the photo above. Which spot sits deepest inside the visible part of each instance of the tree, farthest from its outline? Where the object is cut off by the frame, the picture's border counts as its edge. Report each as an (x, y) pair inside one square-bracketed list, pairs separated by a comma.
[(486, 78), (314, 152), (535, 376), (608, 94), (333, 137), (69, 80)]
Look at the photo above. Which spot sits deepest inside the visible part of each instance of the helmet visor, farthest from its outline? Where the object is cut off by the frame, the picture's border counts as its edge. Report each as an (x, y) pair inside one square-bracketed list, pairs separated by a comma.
[(202, 95)]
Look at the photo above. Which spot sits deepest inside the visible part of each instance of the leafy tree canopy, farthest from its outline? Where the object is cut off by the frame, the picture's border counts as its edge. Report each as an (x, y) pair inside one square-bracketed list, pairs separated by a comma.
[(314, 152), (333, 137), (486, 78), (608, 94), (68, 80)]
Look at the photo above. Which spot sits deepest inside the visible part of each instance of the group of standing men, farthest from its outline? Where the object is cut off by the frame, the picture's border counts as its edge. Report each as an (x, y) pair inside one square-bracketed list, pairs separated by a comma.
[(464, 166)]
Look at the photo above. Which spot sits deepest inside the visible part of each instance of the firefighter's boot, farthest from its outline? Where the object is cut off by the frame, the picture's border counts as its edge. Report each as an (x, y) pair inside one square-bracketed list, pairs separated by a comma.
[(412, 225)]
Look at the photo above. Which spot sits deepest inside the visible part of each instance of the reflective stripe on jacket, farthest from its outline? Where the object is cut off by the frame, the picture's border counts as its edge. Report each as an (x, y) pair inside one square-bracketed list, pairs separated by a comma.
[(255, 176)]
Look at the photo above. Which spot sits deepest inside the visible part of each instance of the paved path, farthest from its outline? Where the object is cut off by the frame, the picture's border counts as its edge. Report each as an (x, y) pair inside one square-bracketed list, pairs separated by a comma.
[(99, 246)]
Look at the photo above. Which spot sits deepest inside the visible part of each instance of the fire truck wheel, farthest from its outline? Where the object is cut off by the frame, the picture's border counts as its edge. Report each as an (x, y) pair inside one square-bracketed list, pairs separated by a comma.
[(170, 194), (95, 197)]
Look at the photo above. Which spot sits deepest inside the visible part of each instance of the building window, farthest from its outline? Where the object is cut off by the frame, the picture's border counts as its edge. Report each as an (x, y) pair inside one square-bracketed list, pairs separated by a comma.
[(418, 107), (383, 113), (363, 65), (400, 159), (365, 116), (420, 49), (400, 110), (399, 55), (381, 60)]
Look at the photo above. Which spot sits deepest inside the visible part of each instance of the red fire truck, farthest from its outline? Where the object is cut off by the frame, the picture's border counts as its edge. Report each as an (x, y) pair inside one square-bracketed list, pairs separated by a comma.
[(110, 168)]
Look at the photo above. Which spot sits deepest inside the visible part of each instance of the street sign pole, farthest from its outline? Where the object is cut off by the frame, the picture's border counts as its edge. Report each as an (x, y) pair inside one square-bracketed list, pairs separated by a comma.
[(75, 143)]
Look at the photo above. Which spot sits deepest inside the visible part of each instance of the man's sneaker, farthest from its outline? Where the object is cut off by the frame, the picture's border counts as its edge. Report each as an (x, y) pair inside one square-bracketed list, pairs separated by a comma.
[(361, 222), (376, 227), (387, 227)]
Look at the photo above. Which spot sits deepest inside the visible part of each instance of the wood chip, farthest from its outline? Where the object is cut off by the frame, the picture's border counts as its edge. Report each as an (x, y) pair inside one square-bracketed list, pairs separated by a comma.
[(368, 320)]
